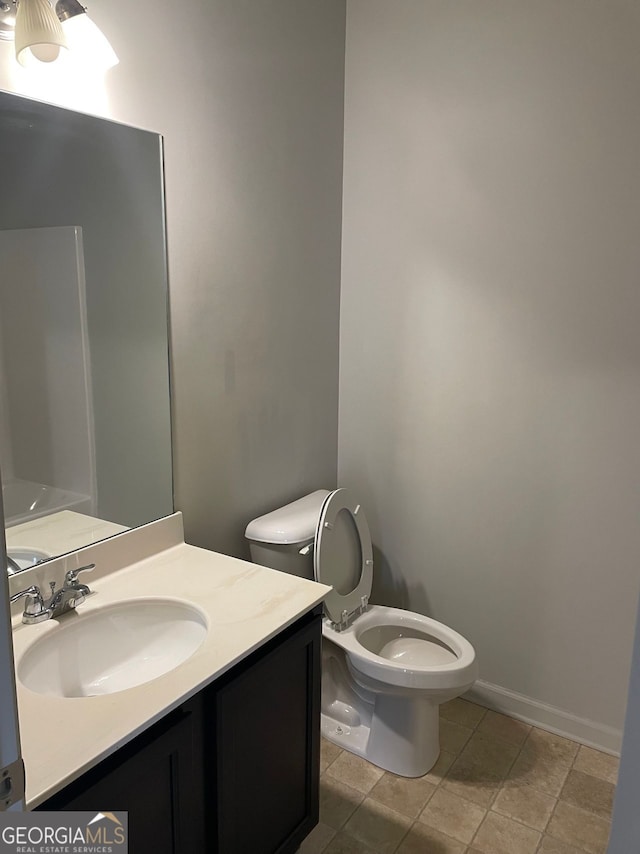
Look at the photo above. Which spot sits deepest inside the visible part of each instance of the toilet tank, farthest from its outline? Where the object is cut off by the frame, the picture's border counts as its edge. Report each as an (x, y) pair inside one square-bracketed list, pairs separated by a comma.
[(277, 538)]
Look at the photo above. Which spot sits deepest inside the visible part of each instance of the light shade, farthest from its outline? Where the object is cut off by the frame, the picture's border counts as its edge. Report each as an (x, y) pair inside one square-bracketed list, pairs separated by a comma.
[(38, 32), (88, 46)]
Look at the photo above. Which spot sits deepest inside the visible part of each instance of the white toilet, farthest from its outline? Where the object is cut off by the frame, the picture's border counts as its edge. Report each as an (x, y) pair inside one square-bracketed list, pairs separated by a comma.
[(384, 670)]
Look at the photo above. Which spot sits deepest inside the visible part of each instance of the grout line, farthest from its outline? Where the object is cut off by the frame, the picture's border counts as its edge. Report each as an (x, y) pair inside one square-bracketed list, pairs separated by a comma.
[(519, 821), (441, 832), (493, 800), (553, 812), (408, 830)]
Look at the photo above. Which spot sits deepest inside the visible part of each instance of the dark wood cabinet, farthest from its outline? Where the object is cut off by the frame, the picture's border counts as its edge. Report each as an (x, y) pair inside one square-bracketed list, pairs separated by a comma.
[(235, 770), (266, 748), (157, 778)]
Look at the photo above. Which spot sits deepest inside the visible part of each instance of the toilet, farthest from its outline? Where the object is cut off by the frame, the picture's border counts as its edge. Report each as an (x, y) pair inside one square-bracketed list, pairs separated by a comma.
[(385, 671)]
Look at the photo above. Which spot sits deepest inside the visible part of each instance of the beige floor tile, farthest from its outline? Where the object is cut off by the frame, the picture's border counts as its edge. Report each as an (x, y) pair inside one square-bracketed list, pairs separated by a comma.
[(596, 763), (342, 843), (546, 774), (377, 826), (493, 755), (337, 801), (317, 840), (493, 790), (500, 835), (473, 783), (551, 747), (403, 794), (453, 737), (355, 772), (549, 845), (525, 804), (423, 839), (328, 753), (579, 828), (452, 815), (462, 712), (496, 725), (439, 770), (588, 793)]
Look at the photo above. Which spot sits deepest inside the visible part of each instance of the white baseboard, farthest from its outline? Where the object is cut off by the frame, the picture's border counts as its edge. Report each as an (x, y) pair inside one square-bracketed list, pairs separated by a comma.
[(602, 737)]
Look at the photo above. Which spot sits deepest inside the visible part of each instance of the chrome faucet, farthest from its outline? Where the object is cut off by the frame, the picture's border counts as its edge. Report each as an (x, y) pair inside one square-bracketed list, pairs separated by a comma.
[(71, 594), (12, 566)]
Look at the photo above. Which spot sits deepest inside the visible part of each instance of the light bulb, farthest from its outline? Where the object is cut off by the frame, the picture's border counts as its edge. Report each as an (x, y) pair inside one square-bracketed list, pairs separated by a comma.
[(88, 46)]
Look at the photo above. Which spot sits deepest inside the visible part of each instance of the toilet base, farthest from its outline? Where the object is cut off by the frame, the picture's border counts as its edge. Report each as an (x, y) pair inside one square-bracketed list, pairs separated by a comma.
[(351, 738), (402, 736), (395, 731)]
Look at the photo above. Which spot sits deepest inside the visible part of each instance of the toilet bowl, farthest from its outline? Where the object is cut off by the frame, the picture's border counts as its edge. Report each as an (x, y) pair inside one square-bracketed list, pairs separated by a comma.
[(385, 671)]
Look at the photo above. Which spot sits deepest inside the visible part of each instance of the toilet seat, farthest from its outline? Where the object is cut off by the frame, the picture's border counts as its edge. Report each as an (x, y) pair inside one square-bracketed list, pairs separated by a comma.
[(343, 556), (368, 639)]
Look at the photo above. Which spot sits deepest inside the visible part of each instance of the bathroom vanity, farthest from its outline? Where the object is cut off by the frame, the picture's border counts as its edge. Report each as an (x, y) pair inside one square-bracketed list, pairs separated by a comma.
[(234, 769), (220, 753)]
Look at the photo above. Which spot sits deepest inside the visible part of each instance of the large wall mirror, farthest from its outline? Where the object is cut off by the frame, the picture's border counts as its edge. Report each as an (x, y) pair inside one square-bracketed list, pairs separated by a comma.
[(85, 435)]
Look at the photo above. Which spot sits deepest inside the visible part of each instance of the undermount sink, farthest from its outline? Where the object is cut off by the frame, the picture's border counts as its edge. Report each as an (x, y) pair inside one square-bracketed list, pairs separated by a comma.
[(112, 649)]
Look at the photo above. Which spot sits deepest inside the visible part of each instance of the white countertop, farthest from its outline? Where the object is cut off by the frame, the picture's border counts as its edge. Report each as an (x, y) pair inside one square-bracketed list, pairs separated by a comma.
[(245, 606)]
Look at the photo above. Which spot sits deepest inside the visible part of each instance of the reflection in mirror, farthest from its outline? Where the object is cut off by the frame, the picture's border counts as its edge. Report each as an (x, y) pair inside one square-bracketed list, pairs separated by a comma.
[(85, 437)]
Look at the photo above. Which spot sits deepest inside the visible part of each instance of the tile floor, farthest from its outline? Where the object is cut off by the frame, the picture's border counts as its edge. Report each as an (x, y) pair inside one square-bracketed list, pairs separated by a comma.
[(499, 787)]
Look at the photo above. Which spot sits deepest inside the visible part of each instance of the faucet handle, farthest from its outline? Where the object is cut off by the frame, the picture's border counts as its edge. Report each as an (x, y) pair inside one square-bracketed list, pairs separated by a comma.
[(71, 577), (34, 591), (34, 609)]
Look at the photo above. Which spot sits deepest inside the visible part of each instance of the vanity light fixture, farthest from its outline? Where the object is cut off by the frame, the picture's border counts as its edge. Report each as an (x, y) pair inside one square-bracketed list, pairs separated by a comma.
[(45, 34), (7, 20)]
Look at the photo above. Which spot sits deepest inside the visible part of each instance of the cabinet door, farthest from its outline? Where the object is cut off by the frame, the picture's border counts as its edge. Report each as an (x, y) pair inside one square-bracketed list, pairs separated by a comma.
[(157, 779), (267, 745)]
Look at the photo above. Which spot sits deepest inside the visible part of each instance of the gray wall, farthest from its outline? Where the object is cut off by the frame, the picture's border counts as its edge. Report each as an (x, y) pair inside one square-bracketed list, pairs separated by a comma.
[(489, 405), (249, 98)]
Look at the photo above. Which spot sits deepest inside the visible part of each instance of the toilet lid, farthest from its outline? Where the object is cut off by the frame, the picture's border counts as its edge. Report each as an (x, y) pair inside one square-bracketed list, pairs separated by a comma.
[(343, 556)]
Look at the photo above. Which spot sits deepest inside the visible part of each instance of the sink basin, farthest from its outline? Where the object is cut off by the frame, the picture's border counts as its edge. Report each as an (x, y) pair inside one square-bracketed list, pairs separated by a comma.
[(112, 649), (26, 557)]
